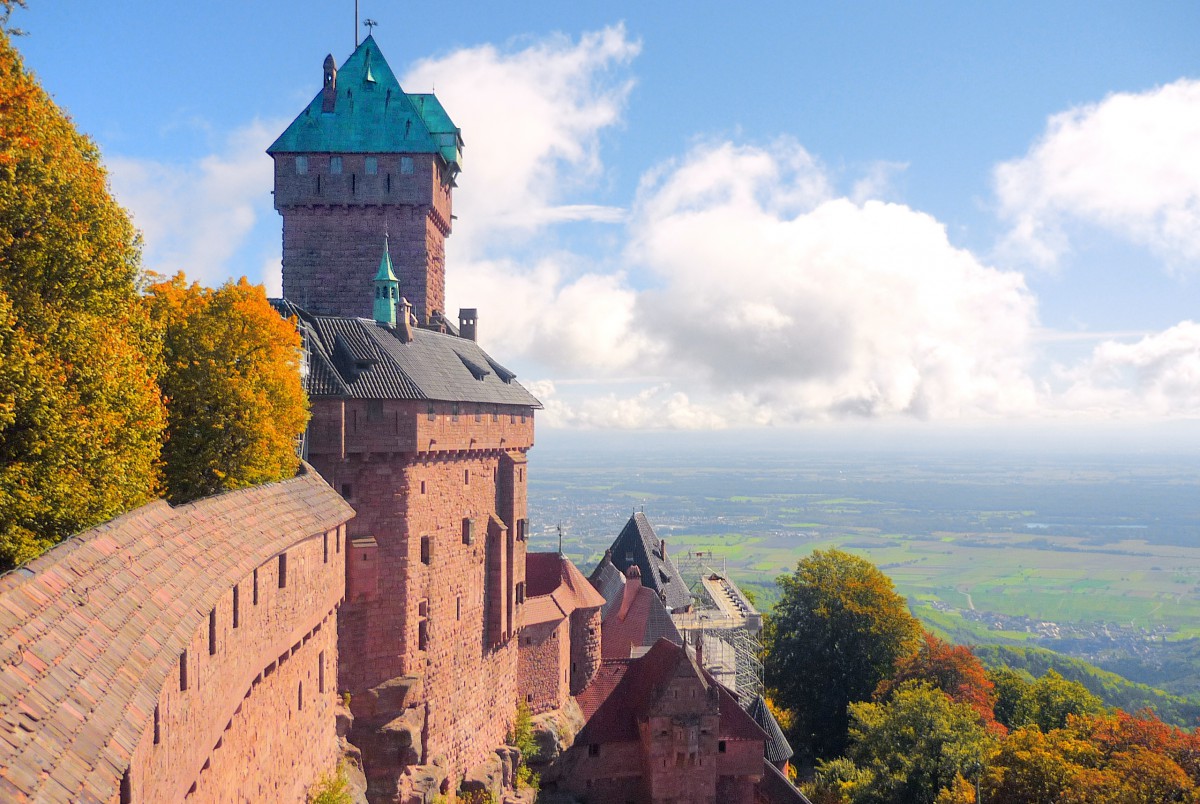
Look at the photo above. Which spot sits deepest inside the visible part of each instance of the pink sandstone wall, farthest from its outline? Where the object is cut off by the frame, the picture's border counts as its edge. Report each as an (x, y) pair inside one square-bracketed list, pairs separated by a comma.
[(585, 648), (333, 228), (544, 655), (421, 598), (238, 731), (94, 703)]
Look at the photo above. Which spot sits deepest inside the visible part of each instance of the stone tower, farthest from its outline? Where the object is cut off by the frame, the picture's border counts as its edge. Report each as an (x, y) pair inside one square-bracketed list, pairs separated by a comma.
[(365, 158)]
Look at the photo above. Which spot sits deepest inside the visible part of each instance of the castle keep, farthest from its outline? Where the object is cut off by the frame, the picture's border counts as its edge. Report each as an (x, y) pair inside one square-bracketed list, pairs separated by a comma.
[(199, 653)]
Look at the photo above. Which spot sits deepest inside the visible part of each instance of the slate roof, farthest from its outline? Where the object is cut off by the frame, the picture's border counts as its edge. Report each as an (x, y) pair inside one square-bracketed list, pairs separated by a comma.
[(609, 582), (361, 359), (778, 748), (90, 630), (372, 114), (776, 789), (638, 544)]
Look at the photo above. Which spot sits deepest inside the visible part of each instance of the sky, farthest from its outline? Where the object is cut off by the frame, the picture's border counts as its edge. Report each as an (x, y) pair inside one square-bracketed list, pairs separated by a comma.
[(917, 217)]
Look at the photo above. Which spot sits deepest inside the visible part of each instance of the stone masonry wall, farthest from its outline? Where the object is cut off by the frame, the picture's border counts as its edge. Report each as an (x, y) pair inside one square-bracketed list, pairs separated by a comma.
[(544, 652), (228, 724), (334, 224), (426, 616), (585, 648)]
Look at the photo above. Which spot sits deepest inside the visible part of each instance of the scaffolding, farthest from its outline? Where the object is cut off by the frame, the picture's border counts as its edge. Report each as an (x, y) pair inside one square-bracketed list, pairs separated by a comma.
[(725, 621)]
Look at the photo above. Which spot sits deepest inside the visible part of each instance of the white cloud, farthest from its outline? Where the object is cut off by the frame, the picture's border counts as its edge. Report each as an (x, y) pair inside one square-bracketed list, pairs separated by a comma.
[(195, 216), (1158, 375), (1129, 164), (811, 305), (531, 121)]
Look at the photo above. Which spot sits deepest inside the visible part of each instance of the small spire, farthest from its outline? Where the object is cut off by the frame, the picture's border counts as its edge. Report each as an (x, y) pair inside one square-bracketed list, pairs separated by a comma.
[(387, 289)]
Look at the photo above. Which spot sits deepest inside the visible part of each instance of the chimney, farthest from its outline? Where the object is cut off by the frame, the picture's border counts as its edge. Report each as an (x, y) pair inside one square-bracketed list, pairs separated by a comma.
[(329, 93), (633, 583), (467, 317), (662, 549), (404, 330)]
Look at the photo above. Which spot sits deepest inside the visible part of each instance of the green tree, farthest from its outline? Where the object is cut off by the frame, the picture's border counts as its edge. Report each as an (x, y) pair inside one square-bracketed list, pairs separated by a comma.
[(235, 405), (1011, 687), (1051, 699), (837, 631), (915, 746), (80, 414)]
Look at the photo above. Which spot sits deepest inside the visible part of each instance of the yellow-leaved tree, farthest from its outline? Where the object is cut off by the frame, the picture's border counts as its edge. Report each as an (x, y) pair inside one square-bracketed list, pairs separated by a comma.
[(230, 376), (81, 417)]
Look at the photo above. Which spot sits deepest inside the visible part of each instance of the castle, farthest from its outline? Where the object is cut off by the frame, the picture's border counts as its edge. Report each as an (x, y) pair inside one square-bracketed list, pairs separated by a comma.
[(187, 674)]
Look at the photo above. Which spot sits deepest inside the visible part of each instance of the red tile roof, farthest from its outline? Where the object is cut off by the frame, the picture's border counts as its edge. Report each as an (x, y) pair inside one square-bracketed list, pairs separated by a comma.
[(90, 630), (603, 683), (556, 588), (615, 720)]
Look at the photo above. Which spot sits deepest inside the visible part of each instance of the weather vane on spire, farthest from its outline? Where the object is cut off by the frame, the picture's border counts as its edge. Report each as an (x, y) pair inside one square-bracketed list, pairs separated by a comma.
[(369, 24)]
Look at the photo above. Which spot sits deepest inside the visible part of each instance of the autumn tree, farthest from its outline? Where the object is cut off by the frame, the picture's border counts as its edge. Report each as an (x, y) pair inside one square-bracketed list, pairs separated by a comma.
[(80, 414), (915, 746), (954, 670), (837, 631), (230, 376)]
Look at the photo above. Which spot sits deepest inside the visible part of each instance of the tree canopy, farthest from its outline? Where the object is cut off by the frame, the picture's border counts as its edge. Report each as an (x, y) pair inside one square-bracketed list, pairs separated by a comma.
[(836, 633), (80, 413), (230, 375), (94, 375), (914, 746)]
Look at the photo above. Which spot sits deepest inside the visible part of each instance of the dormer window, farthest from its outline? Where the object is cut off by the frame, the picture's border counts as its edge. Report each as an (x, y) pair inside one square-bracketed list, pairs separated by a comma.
[(301, 165), (335, 165)]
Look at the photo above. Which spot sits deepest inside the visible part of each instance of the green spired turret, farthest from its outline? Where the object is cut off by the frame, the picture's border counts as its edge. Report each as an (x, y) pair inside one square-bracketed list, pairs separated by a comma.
[(387, 289)]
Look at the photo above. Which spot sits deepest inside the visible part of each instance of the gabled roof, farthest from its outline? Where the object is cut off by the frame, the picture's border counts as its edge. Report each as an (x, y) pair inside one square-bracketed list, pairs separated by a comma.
[(615, 720), (362, 359), (609, 674), (638, 544), (735, 723), (778, 748), (555, 588), (776, 789), (372, 114)]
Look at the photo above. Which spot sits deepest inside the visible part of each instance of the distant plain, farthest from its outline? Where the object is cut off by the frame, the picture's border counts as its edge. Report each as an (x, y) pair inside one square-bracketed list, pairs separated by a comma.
[(1079, 539)]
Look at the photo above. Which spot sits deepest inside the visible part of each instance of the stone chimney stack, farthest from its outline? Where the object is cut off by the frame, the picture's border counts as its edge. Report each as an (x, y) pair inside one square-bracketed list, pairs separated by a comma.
[(633, 583), (329, 93), (404, 328), (467, 320), (662, 548)]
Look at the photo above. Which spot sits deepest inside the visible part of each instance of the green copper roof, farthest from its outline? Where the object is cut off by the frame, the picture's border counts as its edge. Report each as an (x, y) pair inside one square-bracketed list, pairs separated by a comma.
[(387, 289), (386, 274), (372, 114)]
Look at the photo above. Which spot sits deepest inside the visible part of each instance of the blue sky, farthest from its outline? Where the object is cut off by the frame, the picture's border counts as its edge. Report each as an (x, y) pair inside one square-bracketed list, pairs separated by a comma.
[(697, 216)]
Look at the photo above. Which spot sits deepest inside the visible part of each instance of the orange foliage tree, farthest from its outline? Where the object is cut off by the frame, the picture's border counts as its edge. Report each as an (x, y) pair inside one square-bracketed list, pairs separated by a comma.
[(231, 379), (80, 414), (954, 670)]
